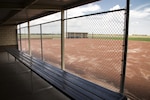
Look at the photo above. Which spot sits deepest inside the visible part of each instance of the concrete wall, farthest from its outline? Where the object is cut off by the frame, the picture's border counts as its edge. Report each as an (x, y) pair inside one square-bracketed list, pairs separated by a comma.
[(8, 36)]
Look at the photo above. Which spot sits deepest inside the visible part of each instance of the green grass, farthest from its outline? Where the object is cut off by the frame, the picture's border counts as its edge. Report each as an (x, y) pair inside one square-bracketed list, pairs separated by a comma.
[(140, 38), (37, 36), (51, 36), (94, 36), (106, 36), (118, 37)]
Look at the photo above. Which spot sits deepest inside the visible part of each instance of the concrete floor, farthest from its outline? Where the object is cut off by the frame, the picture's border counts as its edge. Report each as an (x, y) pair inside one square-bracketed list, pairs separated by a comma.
[(18, 83)]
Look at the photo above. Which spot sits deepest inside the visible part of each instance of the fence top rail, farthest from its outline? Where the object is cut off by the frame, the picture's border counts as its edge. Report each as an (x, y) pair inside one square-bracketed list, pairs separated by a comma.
[(104, 12)]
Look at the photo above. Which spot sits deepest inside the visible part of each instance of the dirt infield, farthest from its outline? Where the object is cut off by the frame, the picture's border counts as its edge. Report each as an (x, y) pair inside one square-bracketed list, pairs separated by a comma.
[(100, 62), (138, 69)]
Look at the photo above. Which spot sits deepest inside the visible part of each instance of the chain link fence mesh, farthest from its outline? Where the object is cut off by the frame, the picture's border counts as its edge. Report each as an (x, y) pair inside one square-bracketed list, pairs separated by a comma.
[(51, 37), (24, 40), (98, 56), (35, 41), (19, 39)]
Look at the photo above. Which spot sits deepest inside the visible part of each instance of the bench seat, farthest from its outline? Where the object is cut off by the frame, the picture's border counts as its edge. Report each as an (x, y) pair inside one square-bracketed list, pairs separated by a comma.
[(73, 86)]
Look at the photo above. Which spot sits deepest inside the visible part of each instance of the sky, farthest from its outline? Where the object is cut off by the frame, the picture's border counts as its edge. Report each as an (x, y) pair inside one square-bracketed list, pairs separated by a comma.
[(139, 18)]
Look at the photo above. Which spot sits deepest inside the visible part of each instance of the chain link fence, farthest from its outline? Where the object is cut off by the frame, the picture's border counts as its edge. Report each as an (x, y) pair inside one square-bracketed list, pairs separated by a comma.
[(24, 39), (35, 41), (93, 45), (51, 37), (97, 57)]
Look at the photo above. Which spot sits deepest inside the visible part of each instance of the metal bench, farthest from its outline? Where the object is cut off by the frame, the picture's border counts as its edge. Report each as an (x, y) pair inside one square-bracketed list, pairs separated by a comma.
[(74, 87)]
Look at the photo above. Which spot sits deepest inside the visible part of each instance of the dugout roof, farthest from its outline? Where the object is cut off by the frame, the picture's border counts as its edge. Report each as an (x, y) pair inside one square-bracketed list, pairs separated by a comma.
[(13, 12)]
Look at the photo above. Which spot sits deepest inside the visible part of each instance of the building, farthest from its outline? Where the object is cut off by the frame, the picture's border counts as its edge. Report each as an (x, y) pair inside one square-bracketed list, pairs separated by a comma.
[(77, 35)]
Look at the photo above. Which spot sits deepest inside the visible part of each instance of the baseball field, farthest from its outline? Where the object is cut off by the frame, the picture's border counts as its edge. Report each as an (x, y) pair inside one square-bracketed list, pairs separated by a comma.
[(100, 61)]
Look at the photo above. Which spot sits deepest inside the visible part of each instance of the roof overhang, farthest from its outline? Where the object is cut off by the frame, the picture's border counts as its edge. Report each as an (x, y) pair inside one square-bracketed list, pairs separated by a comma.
[(14, 12)]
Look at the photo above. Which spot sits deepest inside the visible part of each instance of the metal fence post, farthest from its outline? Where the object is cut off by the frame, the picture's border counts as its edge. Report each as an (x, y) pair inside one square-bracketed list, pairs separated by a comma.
[(29, 45), (125, 46), (20, 37), (41, 41), (62, 41)]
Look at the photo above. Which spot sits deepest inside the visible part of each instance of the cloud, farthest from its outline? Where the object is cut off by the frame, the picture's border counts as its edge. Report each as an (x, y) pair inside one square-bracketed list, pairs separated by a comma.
[(48, 18), (115, 7), (140, 14), (142, 6), (90, 8), (139, 20), (109, 23), (78, 11), (147, 10), (142, 11)]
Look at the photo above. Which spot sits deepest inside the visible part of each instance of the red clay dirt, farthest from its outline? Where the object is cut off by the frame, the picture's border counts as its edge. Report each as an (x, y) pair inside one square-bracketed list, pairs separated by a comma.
[(100, 62)]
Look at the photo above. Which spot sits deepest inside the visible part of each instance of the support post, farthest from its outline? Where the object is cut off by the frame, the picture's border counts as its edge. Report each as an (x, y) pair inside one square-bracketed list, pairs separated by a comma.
[(29, 45), (17, 38), (41, 42), (20, 37), (125, 47), (62, 41)]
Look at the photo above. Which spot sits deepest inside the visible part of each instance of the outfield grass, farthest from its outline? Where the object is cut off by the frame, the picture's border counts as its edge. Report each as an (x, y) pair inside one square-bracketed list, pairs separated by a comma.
[(139, 38), (106, 36), (118, 37), (93, 36), (38, 36)]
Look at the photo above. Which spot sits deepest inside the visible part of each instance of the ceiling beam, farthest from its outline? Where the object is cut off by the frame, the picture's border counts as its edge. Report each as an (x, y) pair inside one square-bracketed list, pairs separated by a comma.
[(46, 7), (19, 6), (24, 5), (10, 6)]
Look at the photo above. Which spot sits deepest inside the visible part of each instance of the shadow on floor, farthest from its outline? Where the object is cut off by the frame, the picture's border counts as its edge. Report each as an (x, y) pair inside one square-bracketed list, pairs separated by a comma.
[(18, 83)]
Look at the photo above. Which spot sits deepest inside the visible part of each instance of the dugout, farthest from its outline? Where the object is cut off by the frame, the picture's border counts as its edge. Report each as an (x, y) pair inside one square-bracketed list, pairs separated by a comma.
[(15, 82), (77, 35)]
